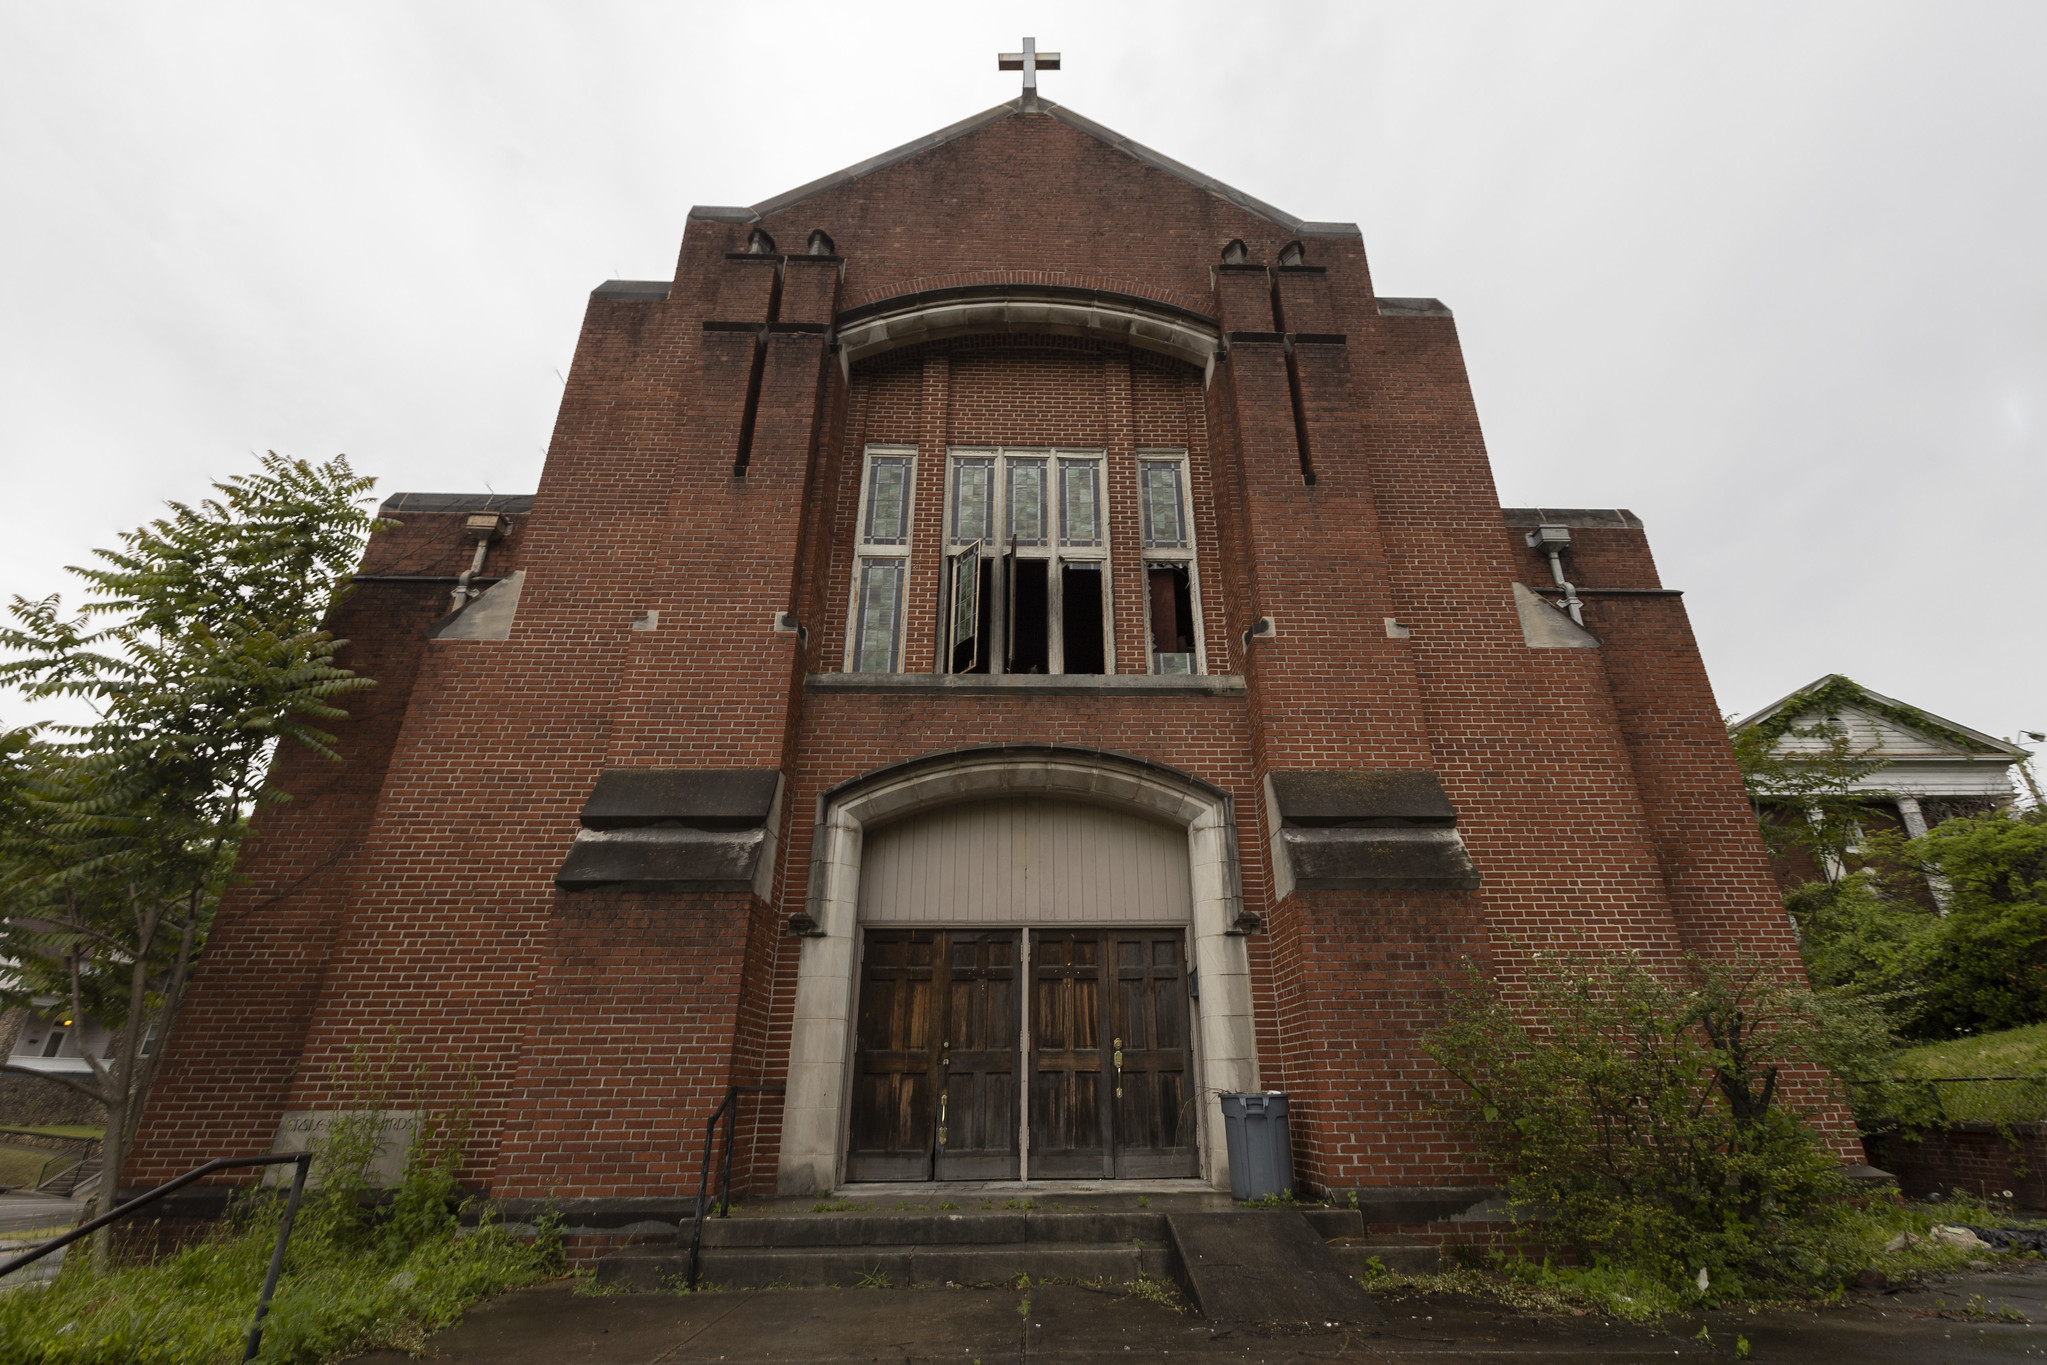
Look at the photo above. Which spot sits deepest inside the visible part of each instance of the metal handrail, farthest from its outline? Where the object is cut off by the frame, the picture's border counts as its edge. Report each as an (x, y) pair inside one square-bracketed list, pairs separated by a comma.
[(728, 1110), (291, 1207), (85, 1151)]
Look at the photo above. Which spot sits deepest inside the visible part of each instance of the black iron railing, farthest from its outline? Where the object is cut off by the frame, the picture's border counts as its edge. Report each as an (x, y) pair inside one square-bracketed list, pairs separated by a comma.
[(66, 1181), (726, 1111), (291, 1208)]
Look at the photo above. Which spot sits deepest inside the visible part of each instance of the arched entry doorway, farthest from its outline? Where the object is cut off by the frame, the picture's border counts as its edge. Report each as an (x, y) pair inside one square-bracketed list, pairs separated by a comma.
[(994, 923)]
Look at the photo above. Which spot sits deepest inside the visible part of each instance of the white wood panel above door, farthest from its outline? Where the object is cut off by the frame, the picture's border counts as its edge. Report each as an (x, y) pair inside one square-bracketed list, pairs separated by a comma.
[(1026, 860)]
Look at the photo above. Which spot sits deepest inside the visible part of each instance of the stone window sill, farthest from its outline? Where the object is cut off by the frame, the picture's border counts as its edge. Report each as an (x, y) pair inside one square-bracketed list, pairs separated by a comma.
[(1026, 685)]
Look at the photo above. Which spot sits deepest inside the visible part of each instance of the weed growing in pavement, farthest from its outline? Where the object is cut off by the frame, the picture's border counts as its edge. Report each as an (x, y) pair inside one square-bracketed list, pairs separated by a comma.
[(1283, 1200), (1164, 1293)]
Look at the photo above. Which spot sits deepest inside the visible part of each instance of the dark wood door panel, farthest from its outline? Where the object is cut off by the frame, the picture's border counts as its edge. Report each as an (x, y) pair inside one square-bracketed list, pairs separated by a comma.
[(935, 1085), (1152, 1091), (895, 1065), (935, 1055), (1069, 1086), (977, 1134)]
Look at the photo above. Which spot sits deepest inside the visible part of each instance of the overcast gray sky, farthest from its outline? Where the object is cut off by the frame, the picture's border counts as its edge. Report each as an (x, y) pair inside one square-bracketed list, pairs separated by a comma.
[(1772, 275)]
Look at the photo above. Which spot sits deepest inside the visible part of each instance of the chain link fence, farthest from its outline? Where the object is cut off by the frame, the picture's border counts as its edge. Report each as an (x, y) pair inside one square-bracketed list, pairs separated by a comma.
[(1904, 1103)]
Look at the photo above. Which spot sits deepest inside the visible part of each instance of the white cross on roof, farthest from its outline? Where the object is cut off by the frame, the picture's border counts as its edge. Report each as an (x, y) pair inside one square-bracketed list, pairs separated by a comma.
[(1030, 61)]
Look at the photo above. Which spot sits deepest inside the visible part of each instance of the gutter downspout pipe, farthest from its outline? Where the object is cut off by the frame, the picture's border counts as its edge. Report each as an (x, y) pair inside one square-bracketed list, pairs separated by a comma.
[(1551, 540)]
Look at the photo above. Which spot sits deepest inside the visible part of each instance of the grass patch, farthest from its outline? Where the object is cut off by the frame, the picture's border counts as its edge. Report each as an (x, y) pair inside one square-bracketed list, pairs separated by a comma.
[(23, 1167), (1856, 1239), (2020, 1052), (75, 1131), (834, 1206), (336, 1296), (2013, 1052), (358, 1276)]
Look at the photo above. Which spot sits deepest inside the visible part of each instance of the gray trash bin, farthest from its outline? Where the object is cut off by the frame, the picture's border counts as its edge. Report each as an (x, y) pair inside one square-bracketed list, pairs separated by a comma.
[(1261, 1150)]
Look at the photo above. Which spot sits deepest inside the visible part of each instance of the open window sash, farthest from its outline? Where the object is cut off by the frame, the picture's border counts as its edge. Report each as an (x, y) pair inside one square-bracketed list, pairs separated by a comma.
[(966, 609)]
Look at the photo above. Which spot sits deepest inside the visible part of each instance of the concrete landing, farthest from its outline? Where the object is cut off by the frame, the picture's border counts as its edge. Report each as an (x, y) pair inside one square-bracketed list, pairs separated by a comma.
[(549, 1324), (1265, 1267)]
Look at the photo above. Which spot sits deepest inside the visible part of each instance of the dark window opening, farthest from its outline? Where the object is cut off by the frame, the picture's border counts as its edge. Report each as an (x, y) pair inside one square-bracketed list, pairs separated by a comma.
[(1080, 617), (1172, 618), (1030, 633), (56, 1041)]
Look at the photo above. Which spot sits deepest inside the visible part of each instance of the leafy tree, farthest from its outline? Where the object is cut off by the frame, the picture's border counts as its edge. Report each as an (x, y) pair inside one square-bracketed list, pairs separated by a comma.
[(1978, 963), (199, 648)]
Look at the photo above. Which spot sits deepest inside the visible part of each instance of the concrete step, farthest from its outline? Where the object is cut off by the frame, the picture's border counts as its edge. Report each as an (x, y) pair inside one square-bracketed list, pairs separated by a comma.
[(649, 1268), (919, 1228), (1354, 1254)]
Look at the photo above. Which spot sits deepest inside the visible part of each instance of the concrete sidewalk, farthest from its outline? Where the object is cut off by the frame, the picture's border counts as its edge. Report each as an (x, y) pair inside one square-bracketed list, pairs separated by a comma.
[(549, 1324)]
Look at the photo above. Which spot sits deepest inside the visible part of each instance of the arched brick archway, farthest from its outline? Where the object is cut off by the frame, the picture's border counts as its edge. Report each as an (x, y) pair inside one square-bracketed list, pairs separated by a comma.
[(821, 1037)]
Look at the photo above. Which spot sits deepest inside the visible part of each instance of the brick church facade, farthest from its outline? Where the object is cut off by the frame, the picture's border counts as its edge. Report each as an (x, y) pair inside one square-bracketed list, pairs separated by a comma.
[(1015, 640)]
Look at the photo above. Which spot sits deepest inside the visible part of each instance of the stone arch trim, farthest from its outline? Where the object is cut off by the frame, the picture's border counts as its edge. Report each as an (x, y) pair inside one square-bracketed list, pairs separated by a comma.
[(1018, 307), (1198, 305), (816, 1107)]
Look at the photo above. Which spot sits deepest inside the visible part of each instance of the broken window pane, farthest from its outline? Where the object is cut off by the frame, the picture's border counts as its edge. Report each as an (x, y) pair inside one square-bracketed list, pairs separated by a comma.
[(1030, 636), (1082, 623), (972, 481), (1165, 523), (1171, 617), (881, 598), (1080, 511), (1027, 502), (966, 609), (888, 500)]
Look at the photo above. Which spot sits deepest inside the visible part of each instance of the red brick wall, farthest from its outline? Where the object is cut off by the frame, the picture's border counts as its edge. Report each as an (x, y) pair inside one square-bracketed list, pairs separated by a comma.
[(232, 1061), (1594, 788), (1972, 1157)]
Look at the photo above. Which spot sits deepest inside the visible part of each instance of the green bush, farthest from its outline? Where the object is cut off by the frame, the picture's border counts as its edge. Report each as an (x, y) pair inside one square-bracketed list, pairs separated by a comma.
[(1642, 1116)]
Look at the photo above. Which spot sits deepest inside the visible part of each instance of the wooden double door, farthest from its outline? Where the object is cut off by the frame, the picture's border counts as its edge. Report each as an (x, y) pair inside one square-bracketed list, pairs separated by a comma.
[(1085, 1032)]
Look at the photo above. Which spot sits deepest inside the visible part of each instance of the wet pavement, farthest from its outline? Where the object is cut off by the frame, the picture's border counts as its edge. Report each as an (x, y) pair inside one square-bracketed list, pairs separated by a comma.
[(1977, 1317)]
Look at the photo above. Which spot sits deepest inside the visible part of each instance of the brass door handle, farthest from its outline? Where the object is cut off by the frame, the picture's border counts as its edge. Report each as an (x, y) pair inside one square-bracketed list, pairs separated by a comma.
[(941, 1118)]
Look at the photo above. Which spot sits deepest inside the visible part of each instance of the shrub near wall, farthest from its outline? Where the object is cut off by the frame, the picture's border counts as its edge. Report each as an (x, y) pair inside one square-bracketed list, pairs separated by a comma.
[(1647, 1121)]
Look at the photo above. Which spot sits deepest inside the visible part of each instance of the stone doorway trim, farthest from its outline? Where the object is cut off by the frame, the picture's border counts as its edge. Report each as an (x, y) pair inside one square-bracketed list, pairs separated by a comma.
[(816, 1110)]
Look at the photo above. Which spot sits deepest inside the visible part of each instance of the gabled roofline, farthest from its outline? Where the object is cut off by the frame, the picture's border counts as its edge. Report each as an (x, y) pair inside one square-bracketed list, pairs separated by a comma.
[(1136, 150), (1990, 742)]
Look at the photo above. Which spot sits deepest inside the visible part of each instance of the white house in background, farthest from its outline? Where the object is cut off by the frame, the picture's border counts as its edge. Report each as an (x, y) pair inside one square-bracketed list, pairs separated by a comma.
[(52, 1042), (1935, 768)]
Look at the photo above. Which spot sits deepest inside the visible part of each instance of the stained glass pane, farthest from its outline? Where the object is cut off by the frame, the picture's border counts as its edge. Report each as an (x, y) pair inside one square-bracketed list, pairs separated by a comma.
[(966, 595), (971, 480), (1164, 522), (888, 500), (1080, 513), (881, 592), (1027, 501)]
